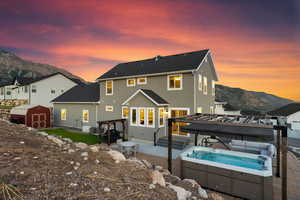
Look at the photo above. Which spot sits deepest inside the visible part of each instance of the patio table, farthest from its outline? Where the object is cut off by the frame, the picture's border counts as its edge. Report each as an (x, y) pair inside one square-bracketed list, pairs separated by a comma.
[(129, 147)]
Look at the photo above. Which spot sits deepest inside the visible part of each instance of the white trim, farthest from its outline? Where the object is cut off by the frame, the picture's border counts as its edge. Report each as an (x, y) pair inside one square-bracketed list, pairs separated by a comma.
[(181, 82), (109, 108), (112, 88), (123, 112), (133, 79), (142, 75), (153, 125), (140, 90), (213, 88), (96, 113), (164, 119), (139, 83), (199, 108), (200, 87), (214, 68), (83, 111)]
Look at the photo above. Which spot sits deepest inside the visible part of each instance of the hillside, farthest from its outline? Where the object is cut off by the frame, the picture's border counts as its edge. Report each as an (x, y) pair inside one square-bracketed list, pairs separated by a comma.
[(249, 100), (12, 66)]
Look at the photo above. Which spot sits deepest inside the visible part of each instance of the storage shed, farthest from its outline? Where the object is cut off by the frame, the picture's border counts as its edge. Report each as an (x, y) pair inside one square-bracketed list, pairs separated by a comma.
[(34, 116)]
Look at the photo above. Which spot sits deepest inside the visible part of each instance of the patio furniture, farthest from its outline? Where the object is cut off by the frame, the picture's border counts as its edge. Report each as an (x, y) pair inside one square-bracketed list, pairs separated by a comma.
[(129, 148), (254, 147)]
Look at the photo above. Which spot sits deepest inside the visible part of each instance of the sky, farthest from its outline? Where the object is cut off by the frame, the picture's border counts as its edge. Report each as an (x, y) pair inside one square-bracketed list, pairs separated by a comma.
[(254, 43)]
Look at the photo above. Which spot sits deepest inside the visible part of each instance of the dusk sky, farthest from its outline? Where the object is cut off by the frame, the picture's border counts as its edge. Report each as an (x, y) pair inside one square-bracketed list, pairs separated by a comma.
[(254, 43)]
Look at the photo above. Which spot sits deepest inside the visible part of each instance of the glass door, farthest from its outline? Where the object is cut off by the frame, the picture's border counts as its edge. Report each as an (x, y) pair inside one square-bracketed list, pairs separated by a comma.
[(176, 126)]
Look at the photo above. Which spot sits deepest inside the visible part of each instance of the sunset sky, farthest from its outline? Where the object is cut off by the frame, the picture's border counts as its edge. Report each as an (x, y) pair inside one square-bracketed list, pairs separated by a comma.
[(254, 43)]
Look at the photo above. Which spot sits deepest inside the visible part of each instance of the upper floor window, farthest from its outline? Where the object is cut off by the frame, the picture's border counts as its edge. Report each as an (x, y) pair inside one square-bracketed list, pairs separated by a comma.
[(213, 86), (33, 89), (52, 91), (205, 85), (109, 87), (175, 82), (63, 114), (130, 82), (125, 112), (200, 82), (85, 116), (109, 108), (142, 81)]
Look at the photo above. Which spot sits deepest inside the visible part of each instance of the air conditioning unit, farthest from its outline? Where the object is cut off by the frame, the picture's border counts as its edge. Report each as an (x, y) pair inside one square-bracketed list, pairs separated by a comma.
[(86, 129)]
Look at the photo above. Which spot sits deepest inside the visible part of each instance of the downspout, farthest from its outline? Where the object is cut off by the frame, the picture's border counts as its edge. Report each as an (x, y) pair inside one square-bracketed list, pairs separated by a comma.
[(195, 96)]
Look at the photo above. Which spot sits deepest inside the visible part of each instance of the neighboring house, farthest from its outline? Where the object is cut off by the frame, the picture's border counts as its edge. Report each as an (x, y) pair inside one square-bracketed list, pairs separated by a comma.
[(78, 107), (223, 108), (146, 92), (39, 91), (291, 112)]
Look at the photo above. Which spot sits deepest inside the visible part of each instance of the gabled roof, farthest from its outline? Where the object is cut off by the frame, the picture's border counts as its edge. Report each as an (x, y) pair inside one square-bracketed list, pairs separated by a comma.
[(286, 110), (152, 96), (50, 75), (84, 93), (160, 64), (23, 80)]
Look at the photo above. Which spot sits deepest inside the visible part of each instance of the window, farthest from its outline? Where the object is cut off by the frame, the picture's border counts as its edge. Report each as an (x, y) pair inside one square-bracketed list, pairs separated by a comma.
[(109, 108), (26, 89), (150, 117), (63, 114), (200, 82), (213, 87), (52, 91), (211, 110), (142, 117), (199, 110), (161, 117), (133, 118), (125, 112), (142, 81), (205, 85), (175, 82), (109, 87), (85, 116), (2, 91), (130, 82), (33, 89)]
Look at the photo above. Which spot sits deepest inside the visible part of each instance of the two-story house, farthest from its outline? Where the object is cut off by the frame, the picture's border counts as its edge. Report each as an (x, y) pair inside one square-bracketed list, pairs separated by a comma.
[(146, 92), (39, 91)]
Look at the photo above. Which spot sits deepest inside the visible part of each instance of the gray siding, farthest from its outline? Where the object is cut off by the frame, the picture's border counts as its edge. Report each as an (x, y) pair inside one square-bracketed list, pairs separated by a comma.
[(74, 115)]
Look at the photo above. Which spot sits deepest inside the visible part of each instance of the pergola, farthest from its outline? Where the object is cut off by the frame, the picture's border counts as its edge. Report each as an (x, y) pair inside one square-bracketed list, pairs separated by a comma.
[(254, 128)]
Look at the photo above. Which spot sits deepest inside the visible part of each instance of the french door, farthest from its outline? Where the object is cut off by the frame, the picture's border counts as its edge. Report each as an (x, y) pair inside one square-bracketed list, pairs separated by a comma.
[(176, 126)]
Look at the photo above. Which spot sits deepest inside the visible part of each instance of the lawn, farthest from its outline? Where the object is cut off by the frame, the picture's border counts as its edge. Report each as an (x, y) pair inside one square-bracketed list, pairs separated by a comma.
[(74, 136)]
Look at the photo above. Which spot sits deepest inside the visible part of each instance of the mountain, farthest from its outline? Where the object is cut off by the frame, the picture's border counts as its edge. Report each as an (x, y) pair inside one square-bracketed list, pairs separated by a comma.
[(12, 66), (249, 101)]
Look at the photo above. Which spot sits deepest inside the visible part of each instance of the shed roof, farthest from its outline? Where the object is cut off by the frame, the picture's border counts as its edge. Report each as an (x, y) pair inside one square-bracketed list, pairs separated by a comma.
[(22, 110)]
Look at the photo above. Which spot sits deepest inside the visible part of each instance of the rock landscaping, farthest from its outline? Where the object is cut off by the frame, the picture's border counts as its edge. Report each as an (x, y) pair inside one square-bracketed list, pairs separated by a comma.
[(40, 166)]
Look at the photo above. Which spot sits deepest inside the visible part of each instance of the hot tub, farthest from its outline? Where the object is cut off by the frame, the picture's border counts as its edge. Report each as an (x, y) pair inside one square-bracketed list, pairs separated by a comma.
[(239, 174)]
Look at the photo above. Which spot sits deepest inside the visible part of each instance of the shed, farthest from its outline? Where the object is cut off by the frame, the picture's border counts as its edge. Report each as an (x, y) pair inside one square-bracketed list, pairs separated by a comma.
[(34, 116)]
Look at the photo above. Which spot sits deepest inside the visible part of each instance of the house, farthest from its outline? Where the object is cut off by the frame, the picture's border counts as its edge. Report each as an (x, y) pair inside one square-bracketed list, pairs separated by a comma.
[(78, 107), (38, 91), (291, 112), (223, 108), (146, 92)]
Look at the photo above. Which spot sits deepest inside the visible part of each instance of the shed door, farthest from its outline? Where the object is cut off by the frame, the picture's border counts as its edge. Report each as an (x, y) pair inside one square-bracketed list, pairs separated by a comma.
[(39, 120)]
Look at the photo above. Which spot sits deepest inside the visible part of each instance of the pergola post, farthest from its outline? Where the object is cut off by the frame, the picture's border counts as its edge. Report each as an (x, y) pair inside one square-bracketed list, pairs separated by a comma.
[(170, 124), (278, 157), (196, 139), (108, 134), (284, 163)]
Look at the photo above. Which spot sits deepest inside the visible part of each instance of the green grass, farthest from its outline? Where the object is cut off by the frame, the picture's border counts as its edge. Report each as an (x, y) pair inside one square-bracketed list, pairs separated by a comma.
[(74, 136), (5, 107)]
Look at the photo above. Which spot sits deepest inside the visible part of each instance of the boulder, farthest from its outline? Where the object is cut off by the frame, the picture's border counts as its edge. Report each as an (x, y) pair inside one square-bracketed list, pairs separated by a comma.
[(192, 182), (182, 194), (81, 145), (84, 154), (202, 193), (43, 133), (55, 140), (158, 178), (68, 140), (94, 148), (116, 155)]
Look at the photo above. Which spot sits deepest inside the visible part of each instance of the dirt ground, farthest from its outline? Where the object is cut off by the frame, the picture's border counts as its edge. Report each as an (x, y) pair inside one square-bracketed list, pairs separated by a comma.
[(39, 169)]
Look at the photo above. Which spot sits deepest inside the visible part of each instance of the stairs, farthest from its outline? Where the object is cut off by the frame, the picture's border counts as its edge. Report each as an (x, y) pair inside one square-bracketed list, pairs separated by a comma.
[(178, 142)]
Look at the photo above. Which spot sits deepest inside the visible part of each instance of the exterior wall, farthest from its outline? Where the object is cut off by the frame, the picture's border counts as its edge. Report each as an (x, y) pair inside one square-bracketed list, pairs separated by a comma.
[(294, 120), (202, 100), (5, 96), (43, 95), (21, 93), (74, 114)]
